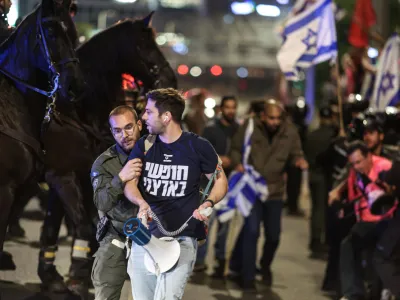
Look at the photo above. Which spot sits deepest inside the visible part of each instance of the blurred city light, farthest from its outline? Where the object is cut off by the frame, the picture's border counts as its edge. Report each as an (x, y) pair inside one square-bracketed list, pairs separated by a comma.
[(183, 69), (195, 71), (242, 8), (372, 52), (301, 102), (283, 2), (268, 10), (209, 103), (242, 72), (216, 70), (209, 112), (180, 48), (161, 40)]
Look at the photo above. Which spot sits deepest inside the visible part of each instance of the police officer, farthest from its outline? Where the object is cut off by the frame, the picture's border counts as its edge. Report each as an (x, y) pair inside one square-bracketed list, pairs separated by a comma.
[(109, 174), (5, 6), (315, 148)]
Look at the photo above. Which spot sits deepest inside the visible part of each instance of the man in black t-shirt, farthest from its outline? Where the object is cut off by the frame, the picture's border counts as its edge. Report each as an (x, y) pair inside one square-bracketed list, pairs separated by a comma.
[(169, 187)]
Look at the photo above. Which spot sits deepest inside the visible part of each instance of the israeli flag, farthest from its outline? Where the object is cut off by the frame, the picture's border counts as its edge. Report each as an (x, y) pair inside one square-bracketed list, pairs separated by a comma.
[(309, 39), (243, 188), (387, 83)]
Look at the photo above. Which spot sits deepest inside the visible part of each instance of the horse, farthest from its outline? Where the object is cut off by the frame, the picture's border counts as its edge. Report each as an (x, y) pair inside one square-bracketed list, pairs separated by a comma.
[(37, 52), (73, 143)]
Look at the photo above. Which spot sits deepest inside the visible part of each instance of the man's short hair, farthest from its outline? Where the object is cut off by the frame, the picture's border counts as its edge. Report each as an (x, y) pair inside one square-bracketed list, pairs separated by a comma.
[(122, 109), (168, 99), (358, 145), (224, 99)]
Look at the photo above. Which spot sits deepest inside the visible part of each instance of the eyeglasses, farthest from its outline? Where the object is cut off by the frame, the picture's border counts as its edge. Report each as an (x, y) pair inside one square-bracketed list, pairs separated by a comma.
[(129, 129)]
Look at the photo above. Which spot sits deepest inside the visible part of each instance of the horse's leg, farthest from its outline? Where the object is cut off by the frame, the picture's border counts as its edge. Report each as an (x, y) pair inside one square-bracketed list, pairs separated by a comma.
[(91, 209), (23, 195), (70, 193), (7, 194), (51, 279)]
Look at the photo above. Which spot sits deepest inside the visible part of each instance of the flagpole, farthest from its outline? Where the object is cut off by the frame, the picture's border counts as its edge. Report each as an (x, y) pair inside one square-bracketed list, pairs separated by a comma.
[(342, 132)]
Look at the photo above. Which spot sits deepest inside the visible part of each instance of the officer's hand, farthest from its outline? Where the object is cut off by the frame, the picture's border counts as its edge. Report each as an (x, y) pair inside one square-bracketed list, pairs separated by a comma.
[(131, 170)]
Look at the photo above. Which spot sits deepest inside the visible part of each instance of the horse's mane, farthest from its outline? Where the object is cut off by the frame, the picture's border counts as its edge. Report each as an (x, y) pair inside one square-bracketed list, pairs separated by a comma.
[(100, 45), (100, 60), (11, 104)]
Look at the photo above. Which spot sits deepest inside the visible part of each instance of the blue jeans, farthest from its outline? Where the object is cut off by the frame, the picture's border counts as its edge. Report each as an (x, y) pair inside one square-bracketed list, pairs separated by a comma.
[(169, 285), (220, 243), (244, 255)]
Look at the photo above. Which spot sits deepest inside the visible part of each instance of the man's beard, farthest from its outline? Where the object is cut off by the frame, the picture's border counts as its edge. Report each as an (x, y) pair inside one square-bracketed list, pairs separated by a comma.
[(374, 147), (229, 119), (127, 144), (272, 129)]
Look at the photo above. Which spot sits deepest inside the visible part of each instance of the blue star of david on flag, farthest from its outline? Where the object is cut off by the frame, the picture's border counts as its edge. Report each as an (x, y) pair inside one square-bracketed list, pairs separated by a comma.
[(309, 39), (387, 84)]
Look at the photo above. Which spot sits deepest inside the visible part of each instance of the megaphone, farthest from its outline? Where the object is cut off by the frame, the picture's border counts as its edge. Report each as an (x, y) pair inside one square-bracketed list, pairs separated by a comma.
[(161, 254)]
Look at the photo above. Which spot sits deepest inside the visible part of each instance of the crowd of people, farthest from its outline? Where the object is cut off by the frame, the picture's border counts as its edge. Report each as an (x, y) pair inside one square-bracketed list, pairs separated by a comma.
[(175, 165), (346, 176)]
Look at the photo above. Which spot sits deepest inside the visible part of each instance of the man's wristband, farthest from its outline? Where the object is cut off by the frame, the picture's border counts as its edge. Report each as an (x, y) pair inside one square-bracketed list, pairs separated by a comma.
[(209, 200)]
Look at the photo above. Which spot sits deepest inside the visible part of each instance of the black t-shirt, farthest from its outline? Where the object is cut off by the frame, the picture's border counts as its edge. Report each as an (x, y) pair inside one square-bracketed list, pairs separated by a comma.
[(171, 177)]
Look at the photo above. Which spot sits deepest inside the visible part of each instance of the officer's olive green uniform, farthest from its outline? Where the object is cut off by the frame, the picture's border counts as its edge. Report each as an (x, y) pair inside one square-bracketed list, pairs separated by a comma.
[(110, 265)]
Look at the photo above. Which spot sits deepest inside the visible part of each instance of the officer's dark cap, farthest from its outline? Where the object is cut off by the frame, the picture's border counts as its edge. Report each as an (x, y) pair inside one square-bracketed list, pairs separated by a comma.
[(372, 125), (325, 112)]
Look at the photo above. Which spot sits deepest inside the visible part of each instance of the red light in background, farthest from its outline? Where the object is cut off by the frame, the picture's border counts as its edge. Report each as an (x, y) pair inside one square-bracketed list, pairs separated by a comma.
[(243, 84), (183, 69), (216, 70), (128, 82)]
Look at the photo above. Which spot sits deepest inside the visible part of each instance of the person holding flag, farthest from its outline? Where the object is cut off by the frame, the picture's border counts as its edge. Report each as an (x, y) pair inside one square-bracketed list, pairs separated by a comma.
[(387, 84), (281, 144)]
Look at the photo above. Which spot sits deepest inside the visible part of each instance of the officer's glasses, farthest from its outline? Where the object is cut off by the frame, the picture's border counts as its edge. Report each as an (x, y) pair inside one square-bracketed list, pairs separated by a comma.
[(129, 129)]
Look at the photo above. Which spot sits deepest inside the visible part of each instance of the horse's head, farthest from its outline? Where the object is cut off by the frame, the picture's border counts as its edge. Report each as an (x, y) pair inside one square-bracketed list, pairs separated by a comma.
[(54, 51), (146, 61)]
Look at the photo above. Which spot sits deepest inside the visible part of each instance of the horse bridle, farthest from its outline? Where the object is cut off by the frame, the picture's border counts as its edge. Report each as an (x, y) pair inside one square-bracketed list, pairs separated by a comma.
[(52, 66), (154, 70)]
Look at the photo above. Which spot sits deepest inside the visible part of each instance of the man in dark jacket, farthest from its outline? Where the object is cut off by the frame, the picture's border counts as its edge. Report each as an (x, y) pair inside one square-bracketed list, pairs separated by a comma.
[(109, 173), (274, 142)]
